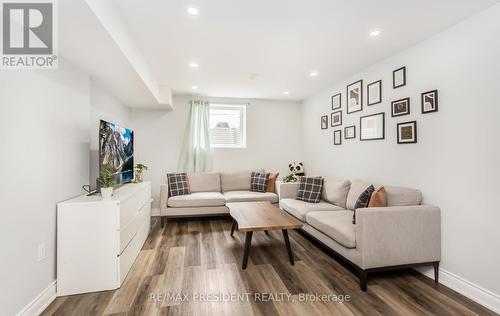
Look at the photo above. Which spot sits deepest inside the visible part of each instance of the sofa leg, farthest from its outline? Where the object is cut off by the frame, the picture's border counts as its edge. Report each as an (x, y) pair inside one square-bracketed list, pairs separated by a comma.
[(363, 280), (162, 221), (436, 271)]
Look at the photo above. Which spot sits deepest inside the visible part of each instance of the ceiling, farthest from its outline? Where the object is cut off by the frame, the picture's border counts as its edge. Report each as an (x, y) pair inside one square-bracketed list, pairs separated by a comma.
[(261, 48)]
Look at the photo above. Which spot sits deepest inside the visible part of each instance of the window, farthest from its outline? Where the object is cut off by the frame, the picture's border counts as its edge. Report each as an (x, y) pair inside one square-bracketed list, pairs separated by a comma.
[(227, 126)]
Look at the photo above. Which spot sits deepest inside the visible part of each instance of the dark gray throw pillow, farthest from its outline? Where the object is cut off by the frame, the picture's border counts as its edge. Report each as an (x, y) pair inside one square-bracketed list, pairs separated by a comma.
[(363, 201), (310, 189), (259, 182), (178, 184)]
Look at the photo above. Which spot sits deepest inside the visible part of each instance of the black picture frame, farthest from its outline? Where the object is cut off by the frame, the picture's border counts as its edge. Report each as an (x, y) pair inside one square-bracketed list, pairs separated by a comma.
[(339, 113), (339, 97), (399, 85), (414, 129), (393, 106), (339, 132), (345, 132), (360, 99), (379, 82), (423, 101), (324, 122), (382, 114)]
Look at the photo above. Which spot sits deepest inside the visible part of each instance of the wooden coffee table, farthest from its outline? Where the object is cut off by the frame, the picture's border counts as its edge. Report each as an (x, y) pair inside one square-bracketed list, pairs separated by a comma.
[(261, 216)]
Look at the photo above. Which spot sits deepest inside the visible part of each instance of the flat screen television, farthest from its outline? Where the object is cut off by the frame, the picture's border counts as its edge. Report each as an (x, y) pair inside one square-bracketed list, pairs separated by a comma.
[(116, 149)]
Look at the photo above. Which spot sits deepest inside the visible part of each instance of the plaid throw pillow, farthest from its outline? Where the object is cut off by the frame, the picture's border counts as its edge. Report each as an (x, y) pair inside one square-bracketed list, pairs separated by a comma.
[(363, 200), (259, 182), (310, 189), (178, 184)]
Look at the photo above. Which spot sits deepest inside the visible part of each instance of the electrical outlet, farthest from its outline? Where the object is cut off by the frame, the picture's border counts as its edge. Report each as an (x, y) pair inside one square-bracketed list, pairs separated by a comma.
[(41, 251)]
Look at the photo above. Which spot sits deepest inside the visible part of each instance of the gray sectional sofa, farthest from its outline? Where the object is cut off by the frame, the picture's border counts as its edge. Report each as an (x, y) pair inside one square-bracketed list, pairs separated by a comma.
[(403, 234), (210, 191)]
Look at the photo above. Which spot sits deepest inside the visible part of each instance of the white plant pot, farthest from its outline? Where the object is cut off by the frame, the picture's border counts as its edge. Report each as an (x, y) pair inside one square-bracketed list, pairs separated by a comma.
[(106, 193)]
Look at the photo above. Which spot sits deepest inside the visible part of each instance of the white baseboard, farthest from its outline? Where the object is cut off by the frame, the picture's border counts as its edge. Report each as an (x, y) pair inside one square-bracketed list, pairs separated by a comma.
[(40, 303), (466, 288), (155, 211)]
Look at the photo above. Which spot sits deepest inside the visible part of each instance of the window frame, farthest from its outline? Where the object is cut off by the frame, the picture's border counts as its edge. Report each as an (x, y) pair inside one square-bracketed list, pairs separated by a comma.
[(243, 123)]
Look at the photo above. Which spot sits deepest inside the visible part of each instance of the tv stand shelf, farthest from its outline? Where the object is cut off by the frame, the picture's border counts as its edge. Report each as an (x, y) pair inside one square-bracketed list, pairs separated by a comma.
[(98, 240)]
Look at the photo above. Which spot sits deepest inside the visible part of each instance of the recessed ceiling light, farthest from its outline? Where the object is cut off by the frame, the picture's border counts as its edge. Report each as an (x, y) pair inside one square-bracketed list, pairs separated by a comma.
[(194, 87), (193, 11), (193, 65), (375, 33), (286, 92), (313, 74)]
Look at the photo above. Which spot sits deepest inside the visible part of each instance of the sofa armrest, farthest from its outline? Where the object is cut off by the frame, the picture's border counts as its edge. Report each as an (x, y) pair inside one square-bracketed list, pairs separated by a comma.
[(163, 198), (287, 190), (390, 236)]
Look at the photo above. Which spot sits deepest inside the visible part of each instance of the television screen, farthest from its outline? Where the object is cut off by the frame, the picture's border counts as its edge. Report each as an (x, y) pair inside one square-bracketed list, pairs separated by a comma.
[(116, 149)]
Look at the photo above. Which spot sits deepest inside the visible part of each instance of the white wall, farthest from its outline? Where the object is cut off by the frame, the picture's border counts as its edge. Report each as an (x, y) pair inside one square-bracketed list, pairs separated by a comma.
[(44, 132), (455, 162), (273, 138), (103, 106)]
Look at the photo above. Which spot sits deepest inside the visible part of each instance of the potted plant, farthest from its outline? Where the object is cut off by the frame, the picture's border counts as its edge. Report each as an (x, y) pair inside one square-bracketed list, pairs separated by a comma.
[(107, 180), (139, 169), (290, 178)]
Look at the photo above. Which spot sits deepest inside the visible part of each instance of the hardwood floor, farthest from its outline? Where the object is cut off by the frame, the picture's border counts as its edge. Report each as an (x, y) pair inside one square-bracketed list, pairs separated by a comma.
[(199, 257)]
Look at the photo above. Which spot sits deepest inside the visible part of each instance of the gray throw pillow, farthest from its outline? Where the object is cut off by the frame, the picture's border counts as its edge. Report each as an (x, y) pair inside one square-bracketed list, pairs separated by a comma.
[(310, 189), (363, 200), (178, 184)]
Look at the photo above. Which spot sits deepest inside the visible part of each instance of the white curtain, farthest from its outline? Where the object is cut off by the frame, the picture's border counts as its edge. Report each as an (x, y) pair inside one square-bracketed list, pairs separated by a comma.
[(195, 152)]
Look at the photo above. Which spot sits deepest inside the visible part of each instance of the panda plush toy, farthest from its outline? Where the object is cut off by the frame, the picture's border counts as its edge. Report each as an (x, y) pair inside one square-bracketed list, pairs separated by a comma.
[(297, 168)]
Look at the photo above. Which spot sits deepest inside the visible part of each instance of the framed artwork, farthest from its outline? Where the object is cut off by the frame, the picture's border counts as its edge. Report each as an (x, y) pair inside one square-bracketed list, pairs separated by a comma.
[(337, 137), (355, 97), (400, 107), (350, 132), (399, 77), (372, 127), (407, 132), (430, 101), (324, 122), (336, 118), (337, 101), (374, 91)]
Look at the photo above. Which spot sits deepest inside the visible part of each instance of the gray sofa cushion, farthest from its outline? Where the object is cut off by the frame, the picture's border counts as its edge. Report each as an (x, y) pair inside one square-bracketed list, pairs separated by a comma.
[(197, 199), (299, 208), (337, 225), (250, 196), (236, 181), (204, 181), (335, 191), (399, 196)]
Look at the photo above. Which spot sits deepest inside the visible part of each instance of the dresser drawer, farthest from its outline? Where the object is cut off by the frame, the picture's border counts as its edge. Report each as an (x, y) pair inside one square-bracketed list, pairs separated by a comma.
[(130, 230), (131, 206), (129, 254)]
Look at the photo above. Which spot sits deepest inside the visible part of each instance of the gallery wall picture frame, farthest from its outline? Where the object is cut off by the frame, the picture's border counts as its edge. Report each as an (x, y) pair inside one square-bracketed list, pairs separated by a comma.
[(372, 127), (407, 132), (399, 77), (374, 93), (400, 107), (350, 132), (429, 101), (336, 118), (337, 101), (354, 97), (324, 122), (337, 137)]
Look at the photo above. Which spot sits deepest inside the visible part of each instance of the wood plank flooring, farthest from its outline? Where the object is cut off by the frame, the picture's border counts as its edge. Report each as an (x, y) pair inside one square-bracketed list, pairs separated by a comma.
[(198, 258)]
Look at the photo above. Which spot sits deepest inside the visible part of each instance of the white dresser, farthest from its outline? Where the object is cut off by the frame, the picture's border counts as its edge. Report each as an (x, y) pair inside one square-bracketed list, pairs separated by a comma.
[(98, 241)]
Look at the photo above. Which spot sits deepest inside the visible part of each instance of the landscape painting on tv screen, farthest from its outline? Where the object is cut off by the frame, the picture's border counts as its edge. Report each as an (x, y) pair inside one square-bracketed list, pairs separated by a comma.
[(117, 150)]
